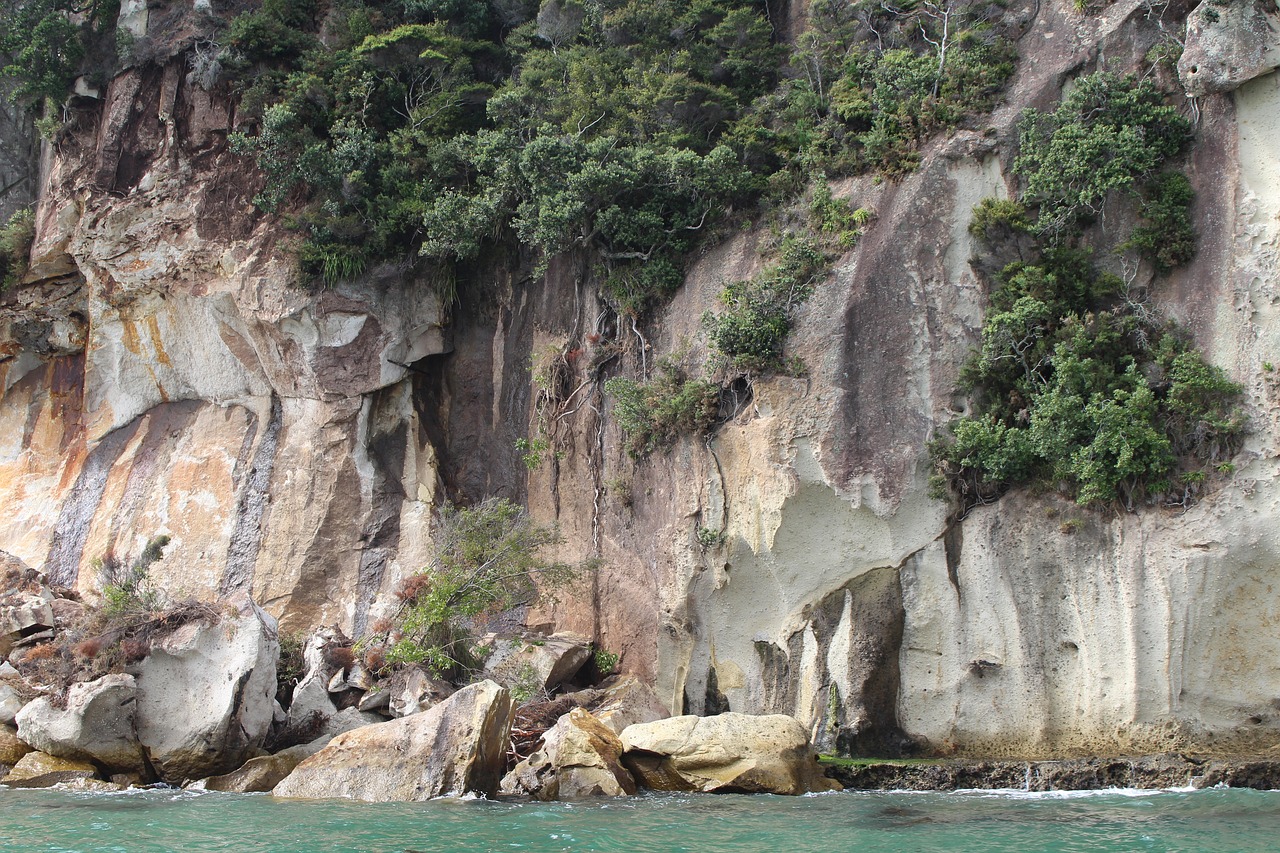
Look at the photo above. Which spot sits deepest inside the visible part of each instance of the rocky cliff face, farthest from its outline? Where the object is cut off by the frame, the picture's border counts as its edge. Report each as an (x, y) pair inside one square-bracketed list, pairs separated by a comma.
[(163, 374)]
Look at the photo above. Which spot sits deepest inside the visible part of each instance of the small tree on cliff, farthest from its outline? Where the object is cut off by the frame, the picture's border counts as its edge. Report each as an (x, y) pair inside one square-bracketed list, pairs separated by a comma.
[(488, 560)]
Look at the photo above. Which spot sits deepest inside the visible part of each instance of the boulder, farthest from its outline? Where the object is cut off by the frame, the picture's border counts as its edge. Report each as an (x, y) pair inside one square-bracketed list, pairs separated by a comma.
[(1227, 45), (206, 693), (312, 713), (259, 775), (24, 615), (96, 725), (457, 747), (41, 770), (11, 703), (378, 699), (11, 749), (580, 758), (536, 662), (729, 753), (412, 690), (67, 612), (627, 702)]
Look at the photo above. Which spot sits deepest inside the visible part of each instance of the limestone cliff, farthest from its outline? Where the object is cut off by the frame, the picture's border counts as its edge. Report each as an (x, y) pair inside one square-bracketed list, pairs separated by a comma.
[(163, 373)]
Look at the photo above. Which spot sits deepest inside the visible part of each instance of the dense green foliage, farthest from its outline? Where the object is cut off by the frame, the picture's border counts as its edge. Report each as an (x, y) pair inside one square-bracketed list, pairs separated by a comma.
[(1108, 134), (15, 246), (488, 559), (749, 334), (1076, 382), (877, 79), (625, 129), (1166, 236), (653, 414), (46, 48)]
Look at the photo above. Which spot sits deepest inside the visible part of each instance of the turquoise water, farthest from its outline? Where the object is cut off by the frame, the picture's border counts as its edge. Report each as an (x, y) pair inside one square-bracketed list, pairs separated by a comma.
[(1201, 821)]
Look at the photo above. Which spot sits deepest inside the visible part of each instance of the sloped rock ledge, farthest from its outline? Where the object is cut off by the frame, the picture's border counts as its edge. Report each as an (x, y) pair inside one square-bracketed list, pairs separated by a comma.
[(1149, 772)]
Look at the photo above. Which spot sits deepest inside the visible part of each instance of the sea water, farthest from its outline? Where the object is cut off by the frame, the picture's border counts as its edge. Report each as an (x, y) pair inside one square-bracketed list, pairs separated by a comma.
[(1240, 821)]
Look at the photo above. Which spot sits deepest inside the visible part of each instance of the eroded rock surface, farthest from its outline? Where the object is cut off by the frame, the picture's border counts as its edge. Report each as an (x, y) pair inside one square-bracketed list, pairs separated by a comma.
[(580, 758), (96, 724), (206, 694), (161, 374), (457, 747), (729, 753), (1229, 44)]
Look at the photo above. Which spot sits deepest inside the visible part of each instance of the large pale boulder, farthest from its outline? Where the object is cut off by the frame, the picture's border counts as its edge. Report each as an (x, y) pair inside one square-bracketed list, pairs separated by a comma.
[(259, 775), (206, 693), (536, 662), (41, 770), (457, 747), (580, 758), (627, 702), (97, 724), (729, 753)]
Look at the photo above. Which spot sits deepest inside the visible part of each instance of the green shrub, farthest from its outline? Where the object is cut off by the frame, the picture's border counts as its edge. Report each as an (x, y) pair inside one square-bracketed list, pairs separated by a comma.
[(994, 215), (488, 560), (127, 591), (1166, 236), (606, 661), (750, 334), (654, 414), (15, 246), (1109, 134), (291, 666), (1073, 388)]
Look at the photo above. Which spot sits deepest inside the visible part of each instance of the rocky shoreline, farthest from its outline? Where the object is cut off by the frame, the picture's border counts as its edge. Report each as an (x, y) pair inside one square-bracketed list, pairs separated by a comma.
[(202, 697), (1147, 772)]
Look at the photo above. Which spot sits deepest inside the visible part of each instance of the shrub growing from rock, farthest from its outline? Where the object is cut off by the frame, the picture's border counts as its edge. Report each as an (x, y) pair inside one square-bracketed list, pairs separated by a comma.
[(489, 559)]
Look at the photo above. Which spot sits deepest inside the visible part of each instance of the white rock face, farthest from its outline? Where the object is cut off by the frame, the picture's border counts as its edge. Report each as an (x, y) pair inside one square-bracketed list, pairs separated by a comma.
[(206, 694), (457, 747), (96, 725)]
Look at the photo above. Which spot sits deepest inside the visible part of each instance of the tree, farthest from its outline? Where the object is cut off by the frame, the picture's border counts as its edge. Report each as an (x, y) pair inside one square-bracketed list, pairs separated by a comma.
[(1110, 133), (488, 560), (45, 45)]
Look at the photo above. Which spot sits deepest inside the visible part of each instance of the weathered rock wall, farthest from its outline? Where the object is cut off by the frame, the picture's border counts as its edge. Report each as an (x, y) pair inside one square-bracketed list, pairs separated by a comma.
[(1019, 632), (163, 374), (166, 375)]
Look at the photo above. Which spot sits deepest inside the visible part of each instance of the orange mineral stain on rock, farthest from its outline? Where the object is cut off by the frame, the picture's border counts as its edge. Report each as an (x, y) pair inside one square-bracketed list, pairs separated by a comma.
[(153, 327), (129, 336)]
